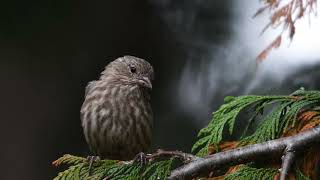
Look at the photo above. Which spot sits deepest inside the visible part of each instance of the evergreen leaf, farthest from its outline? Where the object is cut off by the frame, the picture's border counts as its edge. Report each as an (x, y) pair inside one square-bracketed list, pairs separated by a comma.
[(246, 172)]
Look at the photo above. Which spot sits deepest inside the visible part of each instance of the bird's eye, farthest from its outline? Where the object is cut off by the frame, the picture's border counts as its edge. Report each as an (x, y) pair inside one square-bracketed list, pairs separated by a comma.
[(133, 69)]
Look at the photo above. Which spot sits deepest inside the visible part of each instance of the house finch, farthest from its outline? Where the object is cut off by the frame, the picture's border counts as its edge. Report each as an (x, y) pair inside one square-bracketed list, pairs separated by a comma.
[(116, 114)]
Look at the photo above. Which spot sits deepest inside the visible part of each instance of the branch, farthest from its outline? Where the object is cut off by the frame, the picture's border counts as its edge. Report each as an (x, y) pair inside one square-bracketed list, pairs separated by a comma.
[(287, 161), (287, 145), (184, 157)]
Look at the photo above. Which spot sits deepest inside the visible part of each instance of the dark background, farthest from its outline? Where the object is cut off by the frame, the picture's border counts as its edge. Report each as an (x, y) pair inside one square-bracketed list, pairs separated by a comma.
[(50, 49)]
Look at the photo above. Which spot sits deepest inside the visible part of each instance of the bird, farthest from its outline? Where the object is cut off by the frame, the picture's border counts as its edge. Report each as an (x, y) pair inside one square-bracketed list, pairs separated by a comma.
[(116, 114)]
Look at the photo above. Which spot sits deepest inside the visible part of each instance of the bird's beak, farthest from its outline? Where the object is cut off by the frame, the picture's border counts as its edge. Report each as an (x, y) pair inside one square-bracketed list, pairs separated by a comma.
[(145, 81)]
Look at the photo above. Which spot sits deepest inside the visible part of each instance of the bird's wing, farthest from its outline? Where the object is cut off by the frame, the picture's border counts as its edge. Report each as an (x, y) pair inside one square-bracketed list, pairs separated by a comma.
[(89, 87)]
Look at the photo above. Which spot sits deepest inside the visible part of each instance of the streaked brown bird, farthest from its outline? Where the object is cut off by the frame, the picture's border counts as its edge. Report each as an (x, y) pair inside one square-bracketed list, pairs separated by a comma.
[(116, 114)]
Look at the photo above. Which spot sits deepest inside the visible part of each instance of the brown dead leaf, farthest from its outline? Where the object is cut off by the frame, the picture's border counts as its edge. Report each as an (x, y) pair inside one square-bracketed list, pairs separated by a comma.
[(274, 45), (310, 161)]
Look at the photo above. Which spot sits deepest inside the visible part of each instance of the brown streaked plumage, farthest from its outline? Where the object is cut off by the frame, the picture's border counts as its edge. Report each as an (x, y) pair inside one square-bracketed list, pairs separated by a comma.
[(116, 114)]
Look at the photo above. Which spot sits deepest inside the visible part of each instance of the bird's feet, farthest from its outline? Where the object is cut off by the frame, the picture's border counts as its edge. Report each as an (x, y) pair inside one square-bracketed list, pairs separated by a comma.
[(92, 159), (141, 158)]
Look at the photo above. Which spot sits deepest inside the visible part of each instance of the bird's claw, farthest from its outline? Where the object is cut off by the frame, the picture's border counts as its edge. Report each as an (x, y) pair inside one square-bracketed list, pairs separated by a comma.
[(92, 159), (141, 158)]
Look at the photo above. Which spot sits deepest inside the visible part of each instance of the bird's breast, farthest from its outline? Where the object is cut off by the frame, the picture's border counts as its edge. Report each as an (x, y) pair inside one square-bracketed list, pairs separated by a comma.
[(115, 118)]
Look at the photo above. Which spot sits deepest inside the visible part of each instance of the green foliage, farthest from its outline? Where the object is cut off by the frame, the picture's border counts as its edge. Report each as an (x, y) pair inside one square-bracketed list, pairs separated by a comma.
[(159, 169), (115, 170), (272, 126), (246, 172), (283, 115), (225, 117)]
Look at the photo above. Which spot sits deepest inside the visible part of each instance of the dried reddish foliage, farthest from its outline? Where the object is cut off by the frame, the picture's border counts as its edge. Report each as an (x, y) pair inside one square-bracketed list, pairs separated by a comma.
[(310, 161), (230, 170), (223, 146), (275, 44), (56, 163), (285, 16), (306, 120)]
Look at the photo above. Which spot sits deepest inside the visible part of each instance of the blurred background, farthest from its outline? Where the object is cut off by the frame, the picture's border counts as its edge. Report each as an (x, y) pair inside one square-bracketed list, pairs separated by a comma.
[(201, 50)]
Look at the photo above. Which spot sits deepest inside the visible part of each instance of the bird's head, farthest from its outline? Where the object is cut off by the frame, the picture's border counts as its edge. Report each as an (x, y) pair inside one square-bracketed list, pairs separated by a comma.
[(130, 70)]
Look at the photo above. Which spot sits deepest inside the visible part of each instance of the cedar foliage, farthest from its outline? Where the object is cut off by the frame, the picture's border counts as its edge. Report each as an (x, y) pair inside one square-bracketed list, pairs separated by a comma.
[(272, 117), (111, 169)]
